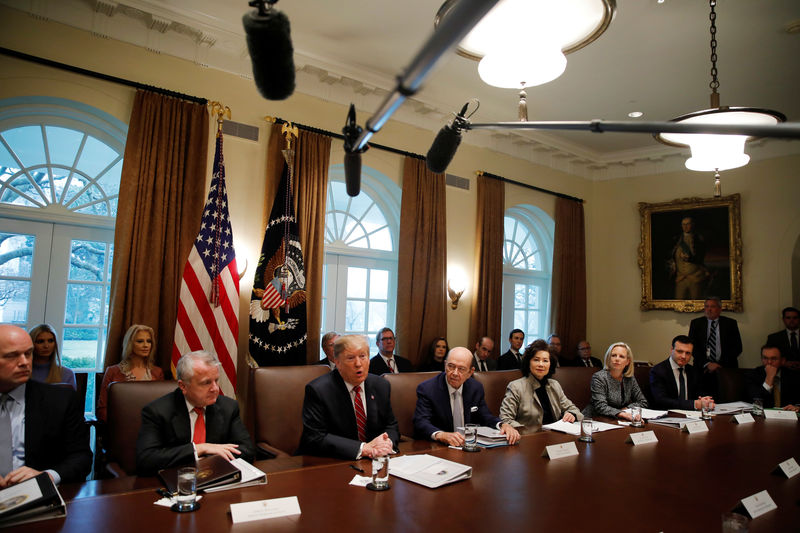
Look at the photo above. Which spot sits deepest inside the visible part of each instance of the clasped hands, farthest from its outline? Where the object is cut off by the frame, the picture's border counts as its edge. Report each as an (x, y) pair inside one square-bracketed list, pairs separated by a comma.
[(378, 447)]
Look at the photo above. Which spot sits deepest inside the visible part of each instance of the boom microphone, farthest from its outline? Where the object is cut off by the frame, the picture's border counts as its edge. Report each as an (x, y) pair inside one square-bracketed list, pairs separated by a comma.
[(352, 157), (446, 143), (271, 50)]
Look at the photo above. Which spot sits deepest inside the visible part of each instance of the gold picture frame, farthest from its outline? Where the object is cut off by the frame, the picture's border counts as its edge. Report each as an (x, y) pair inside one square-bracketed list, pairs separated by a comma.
[(691, 248)]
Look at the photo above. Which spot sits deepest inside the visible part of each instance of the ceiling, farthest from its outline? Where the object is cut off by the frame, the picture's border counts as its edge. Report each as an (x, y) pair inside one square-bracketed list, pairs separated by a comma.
[(653, 58)]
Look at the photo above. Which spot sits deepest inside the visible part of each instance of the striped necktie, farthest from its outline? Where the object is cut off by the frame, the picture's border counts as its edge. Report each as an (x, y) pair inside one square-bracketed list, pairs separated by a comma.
[(361, 416), (711, 347)]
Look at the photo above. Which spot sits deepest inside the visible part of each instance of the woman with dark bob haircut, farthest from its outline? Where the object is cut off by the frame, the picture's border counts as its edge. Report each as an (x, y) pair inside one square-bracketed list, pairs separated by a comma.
[(536, 399)]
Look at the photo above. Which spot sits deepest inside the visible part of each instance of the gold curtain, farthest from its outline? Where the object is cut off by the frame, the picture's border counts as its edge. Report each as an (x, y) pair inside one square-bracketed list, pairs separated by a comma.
[(309, 192), (422, 261), (161, 197), (487, 294), (568, 308)]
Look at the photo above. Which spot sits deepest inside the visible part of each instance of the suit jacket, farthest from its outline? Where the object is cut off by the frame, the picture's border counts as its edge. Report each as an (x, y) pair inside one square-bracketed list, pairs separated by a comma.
[(508, 361), (377, 366), (491, 364), (521, 406), (729, 337), (665, 390), (329, 420), (780, 339), (790, 387), (325, 362), (165, 436), (433, 411), (56, 435), (596, 363)]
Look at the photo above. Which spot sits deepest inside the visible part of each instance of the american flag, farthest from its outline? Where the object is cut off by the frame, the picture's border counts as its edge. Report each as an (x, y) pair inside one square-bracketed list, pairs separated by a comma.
[(208, 309)]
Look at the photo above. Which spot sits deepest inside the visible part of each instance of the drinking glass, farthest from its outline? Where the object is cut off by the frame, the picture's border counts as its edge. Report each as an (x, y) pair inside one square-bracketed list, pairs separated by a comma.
[(186, 499), (758, 407), (636, 417), (587, 428), (471, 437), (380, 473), (706, 406)]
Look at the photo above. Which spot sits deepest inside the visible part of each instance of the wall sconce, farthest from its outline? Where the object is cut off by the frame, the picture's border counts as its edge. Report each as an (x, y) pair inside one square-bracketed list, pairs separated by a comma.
[(456, 283)]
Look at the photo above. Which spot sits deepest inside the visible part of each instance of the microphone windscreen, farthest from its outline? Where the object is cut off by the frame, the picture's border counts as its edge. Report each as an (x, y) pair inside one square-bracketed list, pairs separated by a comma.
[(443, 149), (270, 45), (352, 173)]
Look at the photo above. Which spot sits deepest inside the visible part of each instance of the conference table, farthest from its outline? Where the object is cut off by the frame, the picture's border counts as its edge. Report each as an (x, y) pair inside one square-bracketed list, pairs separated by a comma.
[(684, 482)]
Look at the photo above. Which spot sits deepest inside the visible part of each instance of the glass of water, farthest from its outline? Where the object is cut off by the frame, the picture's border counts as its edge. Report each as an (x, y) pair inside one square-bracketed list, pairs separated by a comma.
[(186, 499), (471, 437), (587, 428), (758, 407), (706, 407), (380, 473), (636, 416)]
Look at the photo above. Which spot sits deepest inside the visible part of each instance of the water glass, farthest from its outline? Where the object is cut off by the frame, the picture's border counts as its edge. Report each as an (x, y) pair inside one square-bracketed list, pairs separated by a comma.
[(471, 437), (636, 417), (380, 472), (758, 407), (186, 498), (587, 428), (706, 407)]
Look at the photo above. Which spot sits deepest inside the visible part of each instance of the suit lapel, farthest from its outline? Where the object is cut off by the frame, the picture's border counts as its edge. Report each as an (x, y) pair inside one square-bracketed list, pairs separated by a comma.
[(443, 400), (180, 420), (345, 411)]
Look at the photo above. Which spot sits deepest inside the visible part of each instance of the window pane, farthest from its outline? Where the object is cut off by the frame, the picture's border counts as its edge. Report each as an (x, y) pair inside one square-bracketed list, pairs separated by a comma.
[(14, 300), (27, 144), (519, 296), (79, 349), (377, 315), (16, 254), (63, 144), (356, 282), (382, 240), (359, 205), (110, 180), (85, 304), (379, 284), (354, 315), (87, 261), (95, 157), (533, 297), (533, 324), (519, 321)]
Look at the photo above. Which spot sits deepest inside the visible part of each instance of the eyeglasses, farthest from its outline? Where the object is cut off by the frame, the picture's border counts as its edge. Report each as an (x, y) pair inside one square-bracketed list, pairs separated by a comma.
[(450, 367), (384, 339)]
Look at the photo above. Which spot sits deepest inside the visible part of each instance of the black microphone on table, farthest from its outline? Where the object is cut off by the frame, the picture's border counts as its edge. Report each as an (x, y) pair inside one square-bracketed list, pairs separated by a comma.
[(352, 157), (270, 45), (446, 142)]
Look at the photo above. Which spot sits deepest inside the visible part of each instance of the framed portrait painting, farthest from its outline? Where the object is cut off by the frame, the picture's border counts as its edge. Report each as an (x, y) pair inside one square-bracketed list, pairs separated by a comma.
[(691, 248)]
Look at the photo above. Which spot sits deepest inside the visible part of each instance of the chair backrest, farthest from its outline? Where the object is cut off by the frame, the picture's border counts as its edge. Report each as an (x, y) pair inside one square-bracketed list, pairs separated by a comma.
[(404, 397), (277, 399), (576, 382), (732, 385), (494, 386), (124, 418), (642, 376)]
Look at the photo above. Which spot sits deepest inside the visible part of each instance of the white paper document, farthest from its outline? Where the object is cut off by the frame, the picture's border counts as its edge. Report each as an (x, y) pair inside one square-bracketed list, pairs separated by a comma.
[(574, 428), (250, 476), (672, 421), (263, 509), (649, 414), (687, 413), (428, 470), (731, 408), (360, 481), (491, 437)]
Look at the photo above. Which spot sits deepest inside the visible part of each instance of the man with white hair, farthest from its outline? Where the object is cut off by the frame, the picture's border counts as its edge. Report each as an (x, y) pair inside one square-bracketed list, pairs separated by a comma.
[(192, 421)]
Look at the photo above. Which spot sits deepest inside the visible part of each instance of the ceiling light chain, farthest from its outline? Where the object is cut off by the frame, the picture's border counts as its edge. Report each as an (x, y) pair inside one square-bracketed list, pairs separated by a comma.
[(714, 85)]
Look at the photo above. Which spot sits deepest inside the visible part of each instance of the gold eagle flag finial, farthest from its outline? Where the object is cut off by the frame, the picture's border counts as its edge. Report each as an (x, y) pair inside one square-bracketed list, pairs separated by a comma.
[(289, 130)]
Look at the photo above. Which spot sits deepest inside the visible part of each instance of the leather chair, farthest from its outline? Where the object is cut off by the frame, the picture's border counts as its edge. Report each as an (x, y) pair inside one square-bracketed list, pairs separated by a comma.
[(576, 382), (404, 398), (277, 404), (732, 384), (124, 418), (641, 374), (494, 386)]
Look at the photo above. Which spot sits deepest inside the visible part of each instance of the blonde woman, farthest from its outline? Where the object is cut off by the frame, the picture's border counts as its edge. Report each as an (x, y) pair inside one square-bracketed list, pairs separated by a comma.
[(614, 388), (47, 359), (138, 347)]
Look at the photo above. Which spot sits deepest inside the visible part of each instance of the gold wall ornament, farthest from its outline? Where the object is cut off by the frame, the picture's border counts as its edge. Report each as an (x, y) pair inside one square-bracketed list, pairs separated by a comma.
[(691, 248), (221, 112)]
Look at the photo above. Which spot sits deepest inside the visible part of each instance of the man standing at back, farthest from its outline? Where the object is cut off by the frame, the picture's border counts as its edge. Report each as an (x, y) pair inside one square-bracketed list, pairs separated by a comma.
[(512, 359), (788, 339), (41, 425), (387, 362), (715, 338)]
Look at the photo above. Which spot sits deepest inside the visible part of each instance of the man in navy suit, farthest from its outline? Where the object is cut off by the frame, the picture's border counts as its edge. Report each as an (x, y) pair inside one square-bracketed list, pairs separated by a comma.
[(453, 399), (674, 382), (192, 421), (55, 438), (715, 338), (773, 382), (788, 339), (346, 413), (512, 359), (387, 362)]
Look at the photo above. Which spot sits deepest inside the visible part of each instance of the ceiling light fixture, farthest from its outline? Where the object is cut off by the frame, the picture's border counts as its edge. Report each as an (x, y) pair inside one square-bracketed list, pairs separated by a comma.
[(718, 152)]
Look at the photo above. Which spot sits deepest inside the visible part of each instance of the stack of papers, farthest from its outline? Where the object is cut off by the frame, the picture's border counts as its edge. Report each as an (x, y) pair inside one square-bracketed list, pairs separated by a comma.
[(731, 408), (648, 414), (490, 437), (428, 470), (673, 421), (574, 428), (250, 476)]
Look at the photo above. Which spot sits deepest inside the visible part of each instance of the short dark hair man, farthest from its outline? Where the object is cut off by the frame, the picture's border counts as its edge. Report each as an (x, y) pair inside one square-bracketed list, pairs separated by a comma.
[(788, 339), (41, 425), (715, 338), (554, 342), (327, 348), (387, 362), (674, 382), (776, 385), (347, 413), (483, 351), (512, 359), (452, 399), (192, 421), (584, 351)]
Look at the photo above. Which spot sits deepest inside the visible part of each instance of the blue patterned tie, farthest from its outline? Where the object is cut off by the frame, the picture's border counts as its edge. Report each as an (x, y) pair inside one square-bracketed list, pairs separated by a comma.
[(712, 342)]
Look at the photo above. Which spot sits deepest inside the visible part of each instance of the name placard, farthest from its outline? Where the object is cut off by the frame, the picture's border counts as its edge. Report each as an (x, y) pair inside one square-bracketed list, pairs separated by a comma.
[(558, 451), (262, 509), (645, 437), (745, 418), (695, 426), (758, 504), (789, 468), (773, 414)]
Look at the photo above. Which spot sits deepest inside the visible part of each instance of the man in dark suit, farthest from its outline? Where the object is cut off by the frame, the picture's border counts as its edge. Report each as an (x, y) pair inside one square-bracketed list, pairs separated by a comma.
[(346, 413), (715, 338), (387, 362), (673, 382), (585, 356), (483, 351), (776, 385), (192, 421), (453, 399), (788, 340), (327, 348), (512, 359), (55, 437)]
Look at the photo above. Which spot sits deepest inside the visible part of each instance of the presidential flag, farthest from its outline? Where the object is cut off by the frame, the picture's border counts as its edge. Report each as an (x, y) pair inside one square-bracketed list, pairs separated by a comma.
[(278, 303), (208, 309)]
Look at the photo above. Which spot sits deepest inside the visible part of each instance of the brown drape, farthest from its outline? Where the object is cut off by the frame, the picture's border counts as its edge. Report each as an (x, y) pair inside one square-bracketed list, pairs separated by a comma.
[(422, 261), (161, 197), (309, 191), (568, 307), (487, 295)]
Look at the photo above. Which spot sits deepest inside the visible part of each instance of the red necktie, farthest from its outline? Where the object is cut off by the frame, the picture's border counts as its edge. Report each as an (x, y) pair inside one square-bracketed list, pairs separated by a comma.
[(391, 366), (199, 427), (361, 416)]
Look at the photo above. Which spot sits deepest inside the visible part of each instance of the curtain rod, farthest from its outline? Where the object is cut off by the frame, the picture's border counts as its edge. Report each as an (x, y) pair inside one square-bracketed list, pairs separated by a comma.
[(534, 187), (340, 136), (101, 76)]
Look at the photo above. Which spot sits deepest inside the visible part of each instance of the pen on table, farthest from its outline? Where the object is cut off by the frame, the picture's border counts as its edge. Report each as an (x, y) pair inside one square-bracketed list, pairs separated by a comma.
[(164, 493), (354, 467)]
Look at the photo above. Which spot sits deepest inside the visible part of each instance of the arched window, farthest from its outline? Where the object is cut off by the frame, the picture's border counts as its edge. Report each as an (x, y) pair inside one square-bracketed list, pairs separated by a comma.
[(527, 270), (361, 233), (60, 166)]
